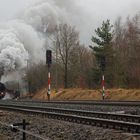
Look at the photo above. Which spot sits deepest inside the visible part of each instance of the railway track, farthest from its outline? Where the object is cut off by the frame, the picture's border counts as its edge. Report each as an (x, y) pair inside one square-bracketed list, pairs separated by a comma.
[(87, 102), (128, 123), (96, 114), (128, 107)]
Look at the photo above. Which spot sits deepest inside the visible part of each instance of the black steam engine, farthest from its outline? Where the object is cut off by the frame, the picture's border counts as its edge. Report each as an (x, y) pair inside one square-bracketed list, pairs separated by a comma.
[(3, 91)]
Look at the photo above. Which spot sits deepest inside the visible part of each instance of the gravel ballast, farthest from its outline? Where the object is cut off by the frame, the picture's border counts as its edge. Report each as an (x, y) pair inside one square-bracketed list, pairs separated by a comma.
[(57, 130)]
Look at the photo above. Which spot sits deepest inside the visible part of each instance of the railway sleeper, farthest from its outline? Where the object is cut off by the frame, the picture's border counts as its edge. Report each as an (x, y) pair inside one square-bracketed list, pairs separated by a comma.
[(133, 130), (74, 120), (93, 123), (118, 127), (138, 130), (125, 129), (124, 119), (99, 124), (59, 118), (110, 126), (105, 126), (102, 116), (136, 120), (79, 121), (114, 117), (69, 119), (88, 122), (84, 122)]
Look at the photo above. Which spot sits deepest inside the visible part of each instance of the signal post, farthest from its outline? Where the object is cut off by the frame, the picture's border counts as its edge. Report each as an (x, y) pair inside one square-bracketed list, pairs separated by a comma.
[(49, 62), (103, 65)]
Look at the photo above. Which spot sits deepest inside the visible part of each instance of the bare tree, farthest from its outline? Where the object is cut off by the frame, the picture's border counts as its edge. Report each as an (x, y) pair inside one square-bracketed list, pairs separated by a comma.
[(81, 67), (127, 47), (66, 39)]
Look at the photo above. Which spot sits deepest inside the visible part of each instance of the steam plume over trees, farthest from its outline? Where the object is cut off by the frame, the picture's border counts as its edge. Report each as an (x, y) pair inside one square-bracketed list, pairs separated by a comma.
[(79, 66)]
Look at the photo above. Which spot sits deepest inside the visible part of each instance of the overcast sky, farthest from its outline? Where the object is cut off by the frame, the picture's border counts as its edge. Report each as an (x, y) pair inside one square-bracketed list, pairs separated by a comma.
[(91, 12), (103, 8)]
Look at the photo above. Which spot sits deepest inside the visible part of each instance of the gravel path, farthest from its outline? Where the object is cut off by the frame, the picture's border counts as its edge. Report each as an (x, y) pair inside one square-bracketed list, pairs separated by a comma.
[(58, 130)]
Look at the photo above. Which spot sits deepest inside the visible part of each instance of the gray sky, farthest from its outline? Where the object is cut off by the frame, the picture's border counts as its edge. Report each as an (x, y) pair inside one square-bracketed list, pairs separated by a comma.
[(87, 14), (9, 8)]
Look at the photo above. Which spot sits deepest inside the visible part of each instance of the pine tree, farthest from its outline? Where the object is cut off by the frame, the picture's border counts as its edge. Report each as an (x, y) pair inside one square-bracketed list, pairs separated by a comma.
[(103, 52)]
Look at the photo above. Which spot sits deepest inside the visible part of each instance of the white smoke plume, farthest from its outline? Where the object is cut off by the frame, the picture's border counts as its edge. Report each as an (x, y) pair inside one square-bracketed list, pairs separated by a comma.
[(44, 14), (13, 54), (22, 39), (19, 42)]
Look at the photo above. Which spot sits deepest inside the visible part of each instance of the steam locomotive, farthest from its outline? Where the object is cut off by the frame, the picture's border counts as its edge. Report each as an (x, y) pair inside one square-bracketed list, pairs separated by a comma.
[(3, 91)]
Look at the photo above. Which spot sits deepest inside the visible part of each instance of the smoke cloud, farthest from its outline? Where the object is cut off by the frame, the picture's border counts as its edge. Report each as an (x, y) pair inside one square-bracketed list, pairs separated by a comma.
[(23, 39), (19, 42), (44, 15)]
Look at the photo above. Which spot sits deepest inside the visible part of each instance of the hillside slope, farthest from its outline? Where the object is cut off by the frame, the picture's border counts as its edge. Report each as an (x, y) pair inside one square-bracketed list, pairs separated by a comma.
[(86, 94)]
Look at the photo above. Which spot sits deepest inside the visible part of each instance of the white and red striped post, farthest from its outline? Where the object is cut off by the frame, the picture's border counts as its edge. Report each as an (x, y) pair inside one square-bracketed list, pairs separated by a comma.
[(103, 87), (48, 62), (49, 83)]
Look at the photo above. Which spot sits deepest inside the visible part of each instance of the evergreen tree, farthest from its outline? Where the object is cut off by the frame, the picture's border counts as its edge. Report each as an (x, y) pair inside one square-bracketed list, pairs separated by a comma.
[(103, 52)]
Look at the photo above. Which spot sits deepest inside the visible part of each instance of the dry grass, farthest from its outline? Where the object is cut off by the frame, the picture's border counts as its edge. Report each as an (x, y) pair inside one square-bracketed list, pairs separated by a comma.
[(86, 94)]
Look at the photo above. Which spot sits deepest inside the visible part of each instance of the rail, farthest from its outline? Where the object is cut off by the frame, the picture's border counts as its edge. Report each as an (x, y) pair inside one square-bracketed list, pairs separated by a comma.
[(101, 122), (86, 102), (96, 114)]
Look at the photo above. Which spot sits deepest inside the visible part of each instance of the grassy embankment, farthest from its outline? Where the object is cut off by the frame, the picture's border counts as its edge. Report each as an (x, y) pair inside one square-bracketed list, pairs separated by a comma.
[(86, 94)]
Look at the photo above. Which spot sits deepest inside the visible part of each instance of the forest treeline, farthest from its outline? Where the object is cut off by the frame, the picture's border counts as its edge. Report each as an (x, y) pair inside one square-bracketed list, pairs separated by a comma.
[(114, 52)]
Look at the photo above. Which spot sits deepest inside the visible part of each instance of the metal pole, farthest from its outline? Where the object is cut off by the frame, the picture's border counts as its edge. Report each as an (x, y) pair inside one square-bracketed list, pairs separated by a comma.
[(56, 84), (24, 128), (103, 87)]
